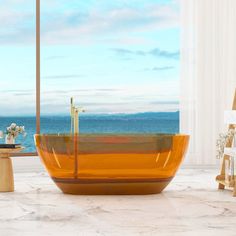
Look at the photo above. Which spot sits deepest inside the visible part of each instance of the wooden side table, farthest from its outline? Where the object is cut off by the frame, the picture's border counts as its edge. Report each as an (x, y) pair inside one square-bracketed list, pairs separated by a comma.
[(6, 171)]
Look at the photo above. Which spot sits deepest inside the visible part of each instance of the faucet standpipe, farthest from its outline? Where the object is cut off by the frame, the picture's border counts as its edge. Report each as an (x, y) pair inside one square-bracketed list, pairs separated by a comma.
[(75, 117)]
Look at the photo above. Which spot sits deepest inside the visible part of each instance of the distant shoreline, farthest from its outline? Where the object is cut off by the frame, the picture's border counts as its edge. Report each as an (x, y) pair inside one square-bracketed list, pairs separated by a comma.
[(99, 114)]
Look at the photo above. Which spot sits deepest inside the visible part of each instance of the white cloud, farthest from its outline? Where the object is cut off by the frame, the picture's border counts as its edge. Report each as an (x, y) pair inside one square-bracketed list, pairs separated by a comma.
[(131, 99), (114, 22), (75, 26)]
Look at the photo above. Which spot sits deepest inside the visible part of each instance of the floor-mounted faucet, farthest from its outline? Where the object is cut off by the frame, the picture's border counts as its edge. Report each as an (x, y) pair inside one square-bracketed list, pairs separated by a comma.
[(74, 111)]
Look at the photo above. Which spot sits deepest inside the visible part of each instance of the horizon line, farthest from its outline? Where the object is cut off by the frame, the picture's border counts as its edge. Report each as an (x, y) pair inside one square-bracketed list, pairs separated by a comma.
[(91, 114)]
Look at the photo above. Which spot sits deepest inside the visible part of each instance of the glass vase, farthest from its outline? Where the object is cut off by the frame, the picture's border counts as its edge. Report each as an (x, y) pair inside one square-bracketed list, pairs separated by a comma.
[(9, 139)]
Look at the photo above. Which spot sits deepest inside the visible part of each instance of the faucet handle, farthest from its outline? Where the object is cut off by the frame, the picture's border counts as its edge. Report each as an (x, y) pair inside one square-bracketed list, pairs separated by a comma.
[(79, 109)]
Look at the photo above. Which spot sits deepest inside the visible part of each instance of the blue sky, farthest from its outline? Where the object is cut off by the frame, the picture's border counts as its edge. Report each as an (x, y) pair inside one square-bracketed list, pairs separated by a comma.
[(112, 56)]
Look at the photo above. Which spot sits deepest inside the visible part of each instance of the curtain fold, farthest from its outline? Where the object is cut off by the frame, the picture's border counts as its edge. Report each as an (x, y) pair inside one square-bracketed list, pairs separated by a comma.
[(208, 73)]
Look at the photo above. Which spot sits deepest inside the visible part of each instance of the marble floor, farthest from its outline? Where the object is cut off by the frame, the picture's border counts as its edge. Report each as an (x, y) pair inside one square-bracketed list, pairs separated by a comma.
[(191, 205)]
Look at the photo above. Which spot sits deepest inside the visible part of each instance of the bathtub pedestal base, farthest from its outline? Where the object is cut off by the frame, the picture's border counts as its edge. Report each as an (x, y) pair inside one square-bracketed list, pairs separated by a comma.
[(115, 188)]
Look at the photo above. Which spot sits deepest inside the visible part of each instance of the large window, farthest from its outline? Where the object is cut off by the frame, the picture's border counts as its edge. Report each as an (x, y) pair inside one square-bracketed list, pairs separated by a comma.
[(17, 68), (118, 59)]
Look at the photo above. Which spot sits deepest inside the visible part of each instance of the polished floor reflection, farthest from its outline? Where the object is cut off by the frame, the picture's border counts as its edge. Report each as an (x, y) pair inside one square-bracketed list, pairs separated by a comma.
[(190, 205)]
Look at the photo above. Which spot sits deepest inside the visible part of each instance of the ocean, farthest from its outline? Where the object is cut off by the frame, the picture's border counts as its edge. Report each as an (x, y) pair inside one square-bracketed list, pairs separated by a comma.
[(151, 122)]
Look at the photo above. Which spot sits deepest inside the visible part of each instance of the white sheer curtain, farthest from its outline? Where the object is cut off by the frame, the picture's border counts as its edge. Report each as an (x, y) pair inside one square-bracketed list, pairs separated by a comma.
[(208, 73)]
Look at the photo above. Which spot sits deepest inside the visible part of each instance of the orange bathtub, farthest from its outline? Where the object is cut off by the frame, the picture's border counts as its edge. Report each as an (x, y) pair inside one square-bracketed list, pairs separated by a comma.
[(111, 163)]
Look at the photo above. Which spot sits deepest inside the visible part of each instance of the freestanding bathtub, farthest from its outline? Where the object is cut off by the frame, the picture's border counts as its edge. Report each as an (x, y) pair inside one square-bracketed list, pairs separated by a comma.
[(111, 163)]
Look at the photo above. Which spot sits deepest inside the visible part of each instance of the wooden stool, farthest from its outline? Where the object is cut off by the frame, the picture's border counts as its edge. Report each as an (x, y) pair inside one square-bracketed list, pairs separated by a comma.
[(6, 171)]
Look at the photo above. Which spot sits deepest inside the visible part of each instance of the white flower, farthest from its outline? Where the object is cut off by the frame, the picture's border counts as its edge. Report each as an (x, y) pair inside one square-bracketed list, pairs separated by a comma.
[(13, 126), (14, 130), (21, 129), (224, 138)]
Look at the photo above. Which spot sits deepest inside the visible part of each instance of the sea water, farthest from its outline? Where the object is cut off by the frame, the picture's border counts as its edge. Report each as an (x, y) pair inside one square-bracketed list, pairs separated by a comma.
[(151, 122)]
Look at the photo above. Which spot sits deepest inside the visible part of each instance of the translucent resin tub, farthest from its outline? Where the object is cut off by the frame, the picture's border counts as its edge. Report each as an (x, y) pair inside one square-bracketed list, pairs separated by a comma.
[(111, 163)]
